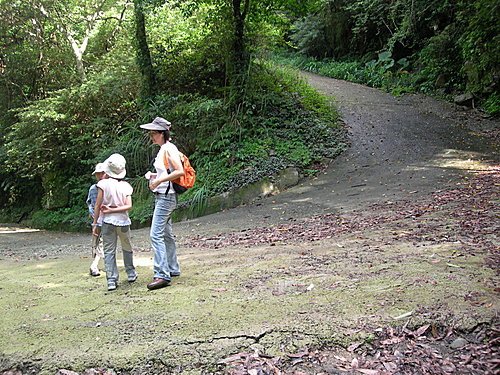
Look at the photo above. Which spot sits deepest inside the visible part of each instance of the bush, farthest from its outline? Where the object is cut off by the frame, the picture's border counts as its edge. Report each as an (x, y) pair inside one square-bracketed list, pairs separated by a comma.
[(69, 218), (492, 104), (439, 60)]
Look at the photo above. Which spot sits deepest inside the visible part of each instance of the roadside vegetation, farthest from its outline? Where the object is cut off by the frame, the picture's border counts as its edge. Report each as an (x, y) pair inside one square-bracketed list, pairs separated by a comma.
[(238, 117), (446, 49), (76, 80)]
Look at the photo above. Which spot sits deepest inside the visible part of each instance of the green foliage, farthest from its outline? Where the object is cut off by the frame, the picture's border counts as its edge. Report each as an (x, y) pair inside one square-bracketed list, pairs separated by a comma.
[(142, 210), (70, 218), (479, 43), (438, 58), (399, 26), (324, 32), (492, 104), (53, 138), (51, 135), (199, 201), (188, 58), (61, 137), (388, 74), (294, 151), (31, 51), (15, 214), (382, 73), (308, 36), (446, 46)]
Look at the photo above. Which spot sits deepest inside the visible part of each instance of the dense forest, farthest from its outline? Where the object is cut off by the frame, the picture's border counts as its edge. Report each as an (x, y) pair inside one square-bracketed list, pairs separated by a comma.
[(78, 77)]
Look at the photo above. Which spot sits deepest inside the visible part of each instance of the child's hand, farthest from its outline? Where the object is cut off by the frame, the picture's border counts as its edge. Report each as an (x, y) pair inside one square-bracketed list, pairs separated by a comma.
[(105, 209), (149, 175), (95, 230)]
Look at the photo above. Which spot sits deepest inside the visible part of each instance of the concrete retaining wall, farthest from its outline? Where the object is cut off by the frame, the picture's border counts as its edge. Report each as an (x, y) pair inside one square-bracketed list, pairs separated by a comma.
[(269, 186)]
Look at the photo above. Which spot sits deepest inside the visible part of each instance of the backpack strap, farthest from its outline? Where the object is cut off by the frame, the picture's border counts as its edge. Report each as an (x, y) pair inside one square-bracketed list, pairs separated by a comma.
[(166, 162), (166, 156)]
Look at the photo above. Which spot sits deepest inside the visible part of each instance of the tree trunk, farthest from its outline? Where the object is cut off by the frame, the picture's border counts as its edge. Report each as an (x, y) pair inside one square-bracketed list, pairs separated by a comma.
[(240, 58), (78, 53), (239, 34), (64, 24), (142, 51)]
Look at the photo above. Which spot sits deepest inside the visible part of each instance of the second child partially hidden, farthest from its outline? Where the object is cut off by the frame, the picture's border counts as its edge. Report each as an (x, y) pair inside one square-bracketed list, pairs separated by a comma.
[(114, 200), (97, 253)]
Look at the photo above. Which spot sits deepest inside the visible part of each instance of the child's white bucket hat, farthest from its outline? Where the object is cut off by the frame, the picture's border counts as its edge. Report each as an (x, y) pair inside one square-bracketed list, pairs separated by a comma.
[(114, 166), (99, 168)]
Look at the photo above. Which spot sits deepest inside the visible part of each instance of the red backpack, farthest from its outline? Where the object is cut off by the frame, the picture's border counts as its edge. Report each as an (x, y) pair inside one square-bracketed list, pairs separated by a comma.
[(183, 183)]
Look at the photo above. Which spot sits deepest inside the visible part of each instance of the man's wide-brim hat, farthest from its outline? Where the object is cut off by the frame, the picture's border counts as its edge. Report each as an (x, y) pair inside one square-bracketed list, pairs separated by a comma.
[(114, 166), (158, 123)]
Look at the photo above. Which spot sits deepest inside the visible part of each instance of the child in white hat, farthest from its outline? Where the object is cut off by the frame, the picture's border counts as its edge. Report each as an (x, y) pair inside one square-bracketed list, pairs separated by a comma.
[(114, 200)]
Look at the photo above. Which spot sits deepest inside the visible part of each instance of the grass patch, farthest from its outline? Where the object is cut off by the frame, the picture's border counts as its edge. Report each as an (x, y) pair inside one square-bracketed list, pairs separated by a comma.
[(279, 297)]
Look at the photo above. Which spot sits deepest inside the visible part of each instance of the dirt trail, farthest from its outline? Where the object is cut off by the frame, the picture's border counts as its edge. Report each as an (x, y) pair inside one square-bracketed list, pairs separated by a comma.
[(401, 149)]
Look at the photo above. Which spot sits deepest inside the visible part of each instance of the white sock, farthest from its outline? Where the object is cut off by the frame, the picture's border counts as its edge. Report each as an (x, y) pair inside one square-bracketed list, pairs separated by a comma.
[(95, 263)]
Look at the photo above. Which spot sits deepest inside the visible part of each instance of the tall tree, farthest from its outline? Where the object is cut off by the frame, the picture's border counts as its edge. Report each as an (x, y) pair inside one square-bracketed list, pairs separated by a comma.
[(79, 21), (239, 53), (142, 50)]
